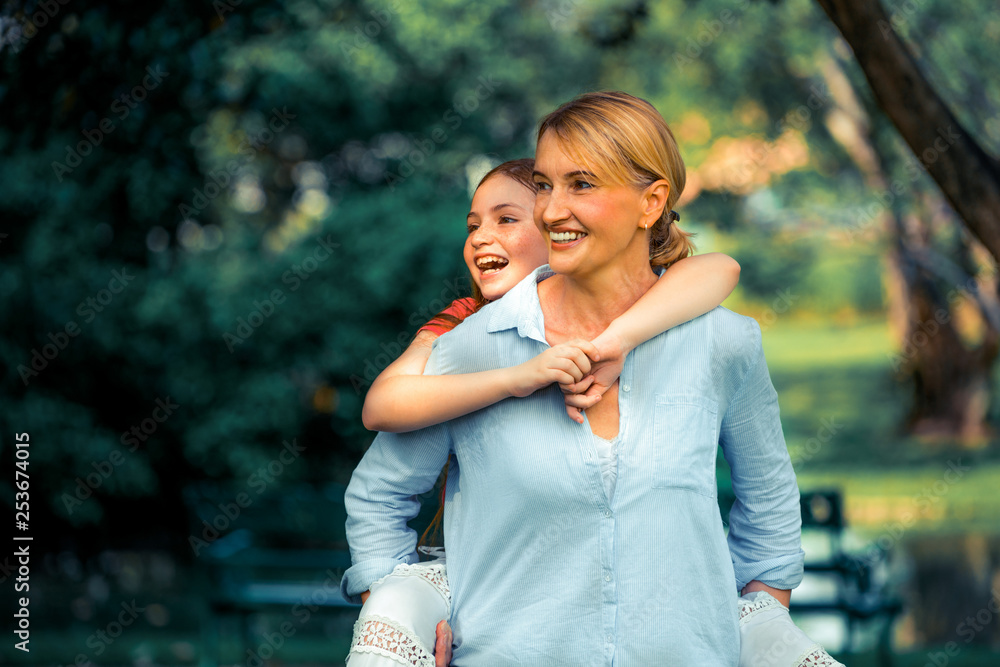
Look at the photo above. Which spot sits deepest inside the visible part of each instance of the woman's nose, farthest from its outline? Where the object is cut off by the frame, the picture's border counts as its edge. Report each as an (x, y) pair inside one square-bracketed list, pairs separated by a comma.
[(553, 206)]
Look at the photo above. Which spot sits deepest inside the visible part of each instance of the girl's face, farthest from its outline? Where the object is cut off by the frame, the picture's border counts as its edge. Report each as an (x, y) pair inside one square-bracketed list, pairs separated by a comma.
[(504, 245), (588, 222)]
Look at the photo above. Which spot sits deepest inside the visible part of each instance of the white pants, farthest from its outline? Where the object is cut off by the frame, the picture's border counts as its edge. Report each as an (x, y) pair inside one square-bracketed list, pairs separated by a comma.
[(398, 621)]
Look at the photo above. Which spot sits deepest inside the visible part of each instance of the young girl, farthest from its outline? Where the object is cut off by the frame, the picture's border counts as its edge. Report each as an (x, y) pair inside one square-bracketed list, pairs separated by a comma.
[(397, 623)]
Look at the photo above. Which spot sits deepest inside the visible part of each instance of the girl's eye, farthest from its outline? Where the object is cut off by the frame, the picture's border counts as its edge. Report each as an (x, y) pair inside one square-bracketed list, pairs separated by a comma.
[(472, 228), (507, 218)]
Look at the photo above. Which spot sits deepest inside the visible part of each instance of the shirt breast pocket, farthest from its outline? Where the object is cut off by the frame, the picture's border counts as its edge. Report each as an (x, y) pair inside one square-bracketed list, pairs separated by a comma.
[(685, 442)]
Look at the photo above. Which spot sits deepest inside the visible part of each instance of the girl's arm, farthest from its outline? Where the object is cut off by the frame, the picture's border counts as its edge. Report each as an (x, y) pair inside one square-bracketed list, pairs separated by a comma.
[(401, 399), (688, 288)]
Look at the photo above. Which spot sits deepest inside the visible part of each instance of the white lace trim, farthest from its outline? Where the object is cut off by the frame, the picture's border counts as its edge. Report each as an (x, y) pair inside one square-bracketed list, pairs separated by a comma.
[(433, 573), (816, 657), (385, 637), (762, 602)]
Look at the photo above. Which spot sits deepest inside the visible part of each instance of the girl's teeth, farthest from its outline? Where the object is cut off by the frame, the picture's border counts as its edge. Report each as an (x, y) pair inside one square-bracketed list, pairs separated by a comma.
[(491, 264), (563, 237)]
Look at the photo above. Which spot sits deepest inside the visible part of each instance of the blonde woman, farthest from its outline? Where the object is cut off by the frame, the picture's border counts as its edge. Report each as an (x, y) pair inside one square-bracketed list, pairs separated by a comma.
[(600, 542), (397, 622)]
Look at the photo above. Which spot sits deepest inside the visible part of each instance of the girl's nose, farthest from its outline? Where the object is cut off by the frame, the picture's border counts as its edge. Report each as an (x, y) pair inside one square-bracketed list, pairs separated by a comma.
[(482, 236)]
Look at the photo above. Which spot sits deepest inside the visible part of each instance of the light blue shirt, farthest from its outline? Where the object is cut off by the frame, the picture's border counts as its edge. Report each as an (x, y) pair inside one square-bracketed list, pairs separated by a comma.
[(543, 569)]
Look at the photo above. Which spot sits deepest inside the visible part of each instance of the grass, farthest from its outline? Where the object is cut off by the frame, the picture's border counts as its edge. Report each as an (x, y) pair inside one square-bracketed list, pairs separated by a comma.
[(842, 407)]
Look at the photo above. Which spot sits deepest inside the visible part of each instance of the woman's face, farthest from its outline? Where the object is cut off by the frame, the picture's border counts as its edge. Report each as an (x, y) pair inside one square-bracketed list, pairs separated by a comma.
[(587, 221), (504, 245)]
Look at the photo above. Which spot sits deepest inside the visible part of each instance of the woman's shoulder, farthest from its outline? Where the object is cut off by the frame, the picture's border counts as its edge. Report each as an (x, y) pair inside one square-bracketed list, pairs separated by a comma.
[(733, 335)]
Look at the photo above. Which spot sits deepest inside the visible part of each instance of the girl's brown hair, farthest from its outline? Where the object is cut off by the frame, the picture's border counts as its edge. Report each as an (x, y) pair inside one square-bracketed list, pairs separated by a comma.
[(625, 139), (520, 171)]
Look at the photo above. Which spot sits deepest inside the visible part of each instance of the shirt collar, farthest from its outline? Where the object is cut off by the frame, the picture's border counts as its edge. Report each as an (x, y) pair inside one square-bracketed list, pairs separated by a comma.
[(521, 308)]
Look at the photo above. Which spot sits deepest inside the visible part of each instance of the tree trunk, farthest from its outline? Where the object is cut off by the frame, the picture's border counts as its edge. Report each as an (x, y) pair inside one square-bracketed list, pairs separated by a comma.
[(966, 174), (950, 377)]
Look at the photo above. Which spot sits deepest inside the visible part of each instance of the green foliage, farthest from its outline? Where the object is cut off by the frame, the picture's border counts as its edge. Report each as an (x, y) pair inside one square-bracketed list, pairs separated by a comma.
[(273, 128)]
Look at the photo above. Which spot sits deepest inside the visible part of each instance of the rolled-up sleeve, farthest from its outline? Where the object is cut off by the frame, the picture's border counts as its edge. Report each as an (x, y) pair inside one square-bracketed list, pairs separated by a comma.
[(765, 523), (382, 498)]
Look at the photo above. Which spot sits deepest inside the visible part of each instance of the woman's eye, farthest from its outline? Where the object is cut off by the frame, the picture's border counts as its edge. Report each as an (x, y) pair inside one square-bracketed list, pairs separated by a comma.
[(583, 185), (543, 187)]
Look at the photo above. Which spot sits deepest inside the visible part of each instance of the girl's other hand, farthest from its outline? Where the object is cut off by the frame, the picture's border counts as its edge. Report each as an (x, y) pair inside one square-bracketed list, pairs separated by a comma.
[(566, 363)]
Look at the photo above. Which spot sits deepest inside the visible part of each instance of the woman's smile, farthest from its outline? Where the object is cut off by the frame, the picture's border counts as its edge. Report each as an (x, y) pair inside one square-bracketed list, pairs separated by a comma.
[(566, 240)]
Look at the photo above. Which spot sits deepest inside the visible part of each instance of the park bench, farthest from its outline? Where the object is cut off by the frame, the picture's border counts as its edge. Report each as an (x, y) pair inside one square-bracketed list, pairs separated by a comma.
[(837, 582), (287, 549), (281, 551)]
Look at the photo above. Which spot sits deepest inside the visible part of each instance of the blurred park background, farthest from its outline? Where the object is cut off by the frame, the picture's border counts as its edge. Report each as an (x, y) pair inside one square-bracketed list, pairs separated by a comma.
[(219, 220)]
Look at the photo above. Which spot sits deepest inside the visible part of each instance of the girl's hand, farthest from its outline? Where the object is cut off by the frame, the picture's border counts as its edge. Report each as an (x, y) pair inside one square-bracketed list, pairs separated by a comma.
[(566, 363), (611, 352)]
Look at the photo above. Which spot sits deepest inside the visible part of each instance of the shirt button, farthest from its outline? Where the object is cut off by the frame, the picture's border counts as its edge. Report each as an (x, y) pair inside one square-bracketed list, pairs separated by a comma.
[(625, 387), (607, 577), (607, 513), (610, 638)]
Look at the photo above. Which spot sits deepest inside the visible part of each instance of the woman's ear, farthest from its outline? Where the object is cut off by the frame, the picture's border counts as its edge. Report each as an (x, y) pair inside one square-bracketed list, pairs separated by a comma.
[(654, 201)]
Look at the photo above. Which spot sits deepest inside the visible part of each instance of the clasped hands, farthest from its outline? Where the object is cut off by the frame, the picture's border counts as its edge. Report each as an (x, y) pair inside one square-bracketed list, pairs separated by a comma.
[(583, 369)]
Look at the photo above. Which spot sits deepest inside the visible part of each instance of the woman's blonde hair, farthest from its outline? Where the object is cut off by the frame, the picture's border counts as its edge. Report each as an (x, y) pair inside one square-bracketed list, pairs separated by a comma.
[(625, 139)]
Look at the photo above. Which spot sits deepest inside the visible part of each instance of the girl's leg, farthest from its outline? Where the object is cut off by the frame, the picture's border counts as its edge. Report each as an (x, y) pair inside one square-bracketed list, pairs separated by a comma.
[(768, 637), (397, 622)]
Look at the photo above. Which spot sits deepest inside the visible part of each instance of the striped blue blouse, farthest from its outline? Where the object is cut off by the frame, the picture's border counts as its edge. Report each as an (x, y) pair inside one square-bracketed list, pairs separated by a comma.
[(544, 570)]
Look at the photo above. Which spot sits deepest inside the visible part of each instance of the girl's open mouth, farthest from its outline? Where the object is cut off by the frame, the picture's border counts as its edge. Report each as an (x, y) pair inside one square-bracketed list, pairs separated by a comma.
[(490, 264)]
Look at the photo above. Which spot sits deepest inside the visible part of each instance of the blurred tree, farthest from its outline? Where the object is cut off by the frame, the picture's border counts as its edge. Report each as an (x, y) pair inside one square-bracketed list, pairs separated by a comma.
[(968, 176), (244, 209), (945, 310)]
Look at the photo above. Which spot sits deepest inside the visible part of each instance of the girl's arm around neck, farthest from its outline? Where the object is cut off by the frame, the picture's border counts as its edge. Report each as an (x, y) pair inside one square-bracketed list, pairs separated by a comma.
[(687, 289), (402, 399)]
